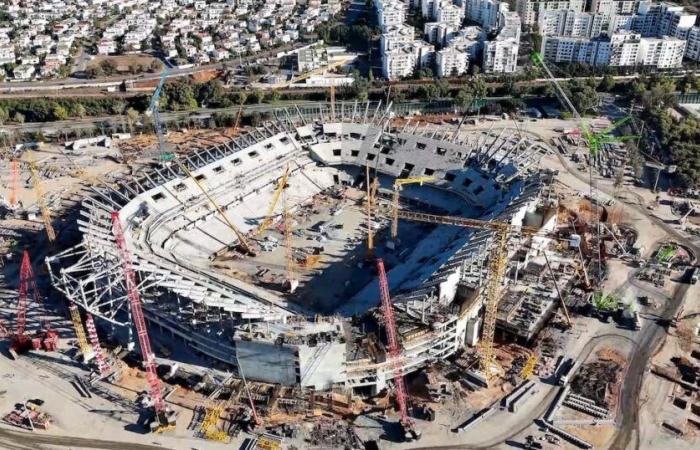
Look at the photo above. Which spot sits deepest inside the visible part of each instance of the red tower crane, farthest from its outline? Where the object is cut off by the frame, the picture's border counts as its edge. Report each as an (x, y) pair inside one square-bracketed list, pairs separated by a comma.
[(394, 352), (21, 342), (134, 297)]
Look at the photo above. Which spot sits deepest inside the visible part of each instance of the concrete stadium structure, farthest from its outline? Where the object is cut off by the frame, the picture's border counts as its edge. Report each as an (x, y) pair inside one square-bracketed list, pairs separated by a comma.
[(173, 235)]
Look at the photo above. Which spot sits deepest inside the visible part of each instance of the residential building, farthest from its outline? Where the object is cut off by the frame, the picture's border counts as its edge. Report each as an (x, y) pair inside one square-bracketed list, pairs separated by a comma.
[(390, 13), (571, 23), (530, 10), (451, 61), (395, 36), (486, 13), (501, 54)]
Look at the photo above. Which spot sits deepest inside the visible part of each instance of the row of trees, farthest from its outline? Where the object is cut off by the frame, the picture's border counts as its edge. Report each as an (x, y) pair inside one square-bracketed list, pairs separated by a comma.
[(679, 138)]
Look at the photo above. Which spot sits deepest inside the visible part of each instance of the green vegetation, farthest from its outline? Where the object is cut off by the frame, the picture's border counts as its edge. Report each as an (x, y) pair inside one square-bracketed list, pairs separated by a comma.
[(604, 302), (666, 253), (679, 138)]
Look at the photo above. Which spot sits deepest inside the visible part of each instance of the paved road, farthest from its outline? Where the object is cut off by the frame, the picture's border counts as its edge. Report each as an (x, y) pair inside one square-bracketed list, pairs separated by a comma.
[(22, 440)]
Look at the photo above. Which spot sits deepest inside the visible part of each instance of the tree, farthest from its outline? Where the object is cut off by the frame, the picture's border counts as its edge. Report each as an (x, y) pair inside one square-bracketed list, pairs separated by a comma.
[(60, 113), (108, 67), (464, 98), (4, 115), (275, 96), (155, 66), (18, 117), (79, 110), (131, 117), (258, 96), (607, 84)]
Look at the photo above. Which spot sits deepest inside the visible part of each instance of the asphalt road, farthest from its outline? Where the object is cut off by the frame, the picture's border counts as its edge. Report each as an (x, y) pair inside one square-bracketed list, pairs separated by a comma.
[(22, 440)]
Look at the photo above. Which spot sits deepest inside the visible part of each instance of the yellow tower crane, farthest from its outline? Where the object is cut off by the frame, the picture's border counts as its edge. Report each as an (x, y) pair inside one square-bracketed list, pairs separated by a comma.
[(289, 249), (85, 347), (45, 214), (245, 246), (497, 265), (371, 197), (398, 183), (267, 221)]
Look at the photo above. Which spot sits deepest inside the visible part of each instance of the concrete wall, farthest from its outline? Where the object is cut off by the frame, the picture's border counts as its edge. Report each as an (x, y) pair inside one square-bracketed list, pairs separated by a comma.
[(262, 361)]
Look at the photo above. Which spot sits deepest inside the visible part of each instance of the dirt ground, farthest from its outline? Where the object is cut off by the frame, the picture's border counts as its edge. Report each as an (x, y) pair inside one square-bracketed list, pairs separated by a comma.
[(124, 61)]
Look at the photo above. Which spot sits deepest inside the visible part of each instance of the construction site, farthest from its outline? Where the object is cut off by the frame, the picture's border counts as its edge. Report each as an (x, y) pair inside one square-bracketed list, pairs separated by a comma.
[(336, 277)]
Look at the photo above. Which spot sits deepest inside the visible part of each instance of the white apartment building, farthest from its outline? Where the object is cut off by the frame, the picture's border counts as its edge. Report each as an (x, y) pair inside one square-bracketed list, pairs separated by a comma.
[(692, 45), (530, 10), (427, 8), (571, 23), (449, 13), (625, 49), (396, 36), (438, 33), (664, 53), (399, 62), (390, 13), (469, 39), (486, 13), (501, 54), (662, 19), (613, 7), (451, 61)]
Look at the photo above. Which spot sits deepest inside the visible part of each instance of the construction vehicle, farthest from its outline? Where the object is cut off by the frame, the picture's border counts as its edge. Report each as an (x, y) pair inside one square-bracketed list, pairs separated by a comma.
[(164, 418), (281, 185), (497, 266), (45, 214), (394, 354), (398, 184)]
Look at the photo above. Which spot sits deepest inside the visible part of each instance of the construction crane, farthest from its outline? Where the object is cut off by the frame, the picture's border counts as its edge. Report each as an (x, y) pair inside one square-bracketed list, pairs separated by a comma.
[(281, 184), (291, 282), (371, 196), (20, 341), (102, 365), (596, 141), (242, 241), (45, 214), (162, 419), (153, 108), (237, 123), (83, 344), (394, 351), (398, 184), (497, 265), (14, 181)]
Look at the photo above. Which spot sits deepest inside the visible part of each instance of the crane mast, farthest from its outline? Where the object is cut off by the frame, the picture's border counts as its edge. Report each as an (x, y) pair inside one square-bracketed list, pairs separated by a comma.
[(137, 314), (393, 346), (45, 214), (14, 181)]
